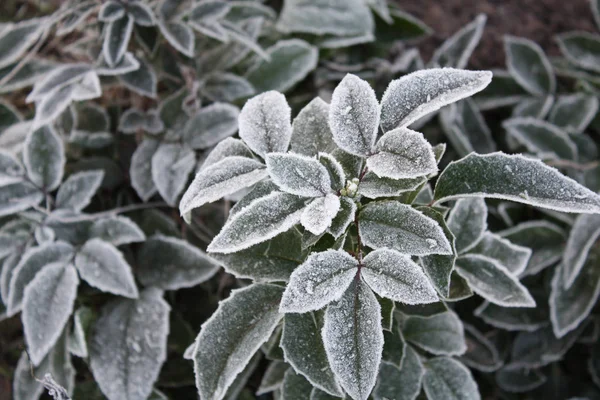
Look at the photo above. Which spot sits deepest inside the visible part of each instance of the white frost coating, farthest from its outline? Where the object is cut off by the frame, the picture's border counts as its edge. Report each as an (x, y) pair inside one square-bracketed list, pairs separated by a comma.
[(441, 334), (541, 137), (140, 170), (468, 221), (415, 95), (344, 217), (395, 276), (529, 66), (353, 339), (226, 148), (372, 186), (103, 266), (510, 255), (44, 157), (584, 234), (50, 107), (310, 129), (222, 178), (574, 112), (492, 281), (171, 165), (77, 191), (456, 51), (402, 153), (335, 170), (265, 123), (323, 278), (116, 39), (261, 220), (400, 383), (525, 181), (129, 345), (56, 79), (579, 48), (354, 116), (446, 378), (400, 227), (299, 175), (117, 230), (210, 125), (318, 215), (47, 306)]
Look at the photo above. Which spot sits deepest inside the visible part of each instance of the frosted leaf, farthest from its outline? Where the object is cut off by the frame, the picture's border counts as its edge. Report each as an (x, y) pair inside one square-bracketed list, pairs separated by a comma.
[(344, 217), (395, 276), (401, 154), (354, 116), (380, 7), (337, 17), (44, 157), (179, 35), (323, 278), (373, 187), (295, 386), (50, 107), (32, 262), (542, 347), (335, 170), (19, 196), (541, 138), (133, 119), (141, 13), (415, 95), (87, 88), (398, 226), (528, 64), (535, 107), (310, 129), (258, 190), (517, 379), (493, 281), (441, 334), (82, 318), (222, 178), (570, 306), (287, 63), (58, 78), (226, 148), (11, 170), (103, 266), (231, 336), (584, 233), (546, 240), (512, 256), (466, 128), (143, 80), (303, 349), (273, 260), (117, 230), (580, 49), (481, 353), (111, 11), (446, 378), (319, 214), (353, 339), (514, 319), (299, 175), (400, 383), (141, 169), (574, 112), (210, 125), (44, 234), (515, 178), (224, 86), (264, 123), (47, 306), (170, 264), (238, 34), (272, 378), (16, 38), (135, 332), (116, 38), (171, 166), (456, 50), (127, 64), (468, 222), (425, 195), (77, 191), (261, 220)]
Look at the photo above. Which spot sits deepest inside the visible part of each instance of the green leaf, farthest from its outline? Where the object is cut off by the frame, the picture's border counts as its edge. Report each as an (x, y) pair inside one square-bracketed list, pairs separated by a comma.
[(44, 157), (528, 64), (400, 383), (143, 80), (374, 187), (447, 379), (210, 125), (398, 226), (303, 349), (290, 61), (310, 129), (574, 112), (19, 196), (584, 234), (513, 257), (353, 339), (502, 91), (541, 138), (295, 386), (481, 353), (77, 191), (516, 178), (230, 337), (226, 87), (272, 378), (403, 26), (456, 50), (581, 49), (170, 264), (16, 38), (516, 379), (514, 319), (116, 230), (299, 175), (468, 222), (422, 310), (171, 166), (117, 35), (136, 333), (141, 169), (459, 288), (394, 346), (441, 334), (534, 107), (493, 281)]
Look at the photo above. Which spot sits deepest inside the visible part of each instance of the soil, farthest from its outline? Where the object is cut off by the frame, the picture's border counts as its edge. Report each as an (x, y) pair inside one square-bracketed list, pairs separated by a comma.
[(538, 20)]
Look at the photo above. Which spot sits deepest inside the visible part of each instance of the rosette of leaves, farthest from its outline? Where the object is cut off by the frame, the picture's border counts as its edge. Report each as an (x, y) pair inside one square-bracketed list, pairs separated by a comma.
[(56, 259), (346, 243)]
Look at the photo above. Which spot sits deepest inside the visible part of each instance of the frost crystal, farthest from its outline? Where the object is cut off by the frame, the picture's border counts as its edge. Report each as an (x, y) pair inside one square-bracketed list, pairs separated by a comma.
[(323, 278), (318, 215), (310, 129), (299, 175)]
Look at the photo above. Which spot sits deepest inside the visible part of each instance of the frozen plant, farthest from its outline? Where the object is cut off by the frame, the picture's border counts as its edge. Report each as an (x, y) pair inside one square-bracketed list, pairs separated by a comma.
[(350, 249)]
